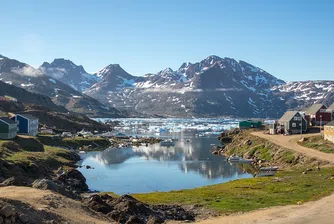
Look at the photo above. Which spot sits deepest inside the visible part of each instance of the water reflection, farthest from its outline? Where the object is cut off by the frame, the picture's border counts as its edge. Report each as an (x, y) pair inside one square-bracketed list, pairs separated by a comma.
[(185, 165)]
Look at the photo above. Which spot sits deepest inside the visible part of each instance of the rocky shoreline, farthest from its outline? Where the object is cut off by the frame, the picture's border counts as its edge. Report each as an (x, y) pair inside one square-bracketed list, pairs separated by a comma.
[(66, 180), (262, 153)]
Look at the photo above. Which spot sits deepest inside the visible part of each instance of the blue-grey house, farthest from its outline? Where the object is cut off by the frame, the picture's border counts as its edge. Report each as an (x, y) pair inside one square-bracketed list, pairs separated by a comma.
[(27, 124)]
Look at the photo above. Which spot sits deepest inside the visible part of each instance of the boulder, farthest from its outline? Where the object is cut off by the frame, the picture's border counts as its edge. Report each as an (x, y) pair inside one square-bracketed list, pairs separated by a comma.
[(16, 181), (23, 218), (7, 211), (74, 180), (45, 184), (127, 209)]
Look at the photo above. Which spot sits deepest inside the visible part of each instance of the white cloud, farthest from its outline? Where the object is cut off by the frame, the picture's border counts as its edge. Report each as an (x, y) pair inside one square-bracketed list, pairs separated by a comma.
[(27, 71)]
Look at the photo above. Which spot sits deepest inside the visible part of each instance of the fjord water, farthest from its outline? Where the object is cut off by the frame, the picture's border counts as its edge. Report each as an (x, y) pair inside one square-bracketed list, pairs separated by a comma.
[(186, 165)]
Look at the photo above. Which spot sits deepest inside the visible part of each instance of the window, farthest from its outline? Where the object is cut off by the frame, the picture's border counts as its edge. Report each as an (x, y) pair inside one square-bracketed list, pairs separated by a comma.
[(294, 125)]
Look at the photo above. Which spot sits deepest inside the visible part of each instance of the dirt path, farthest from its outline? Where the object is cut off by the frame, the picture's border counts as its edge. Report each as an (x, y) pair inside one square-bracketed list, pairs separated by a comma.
[(290, 142), (321, 211), (70, 210)]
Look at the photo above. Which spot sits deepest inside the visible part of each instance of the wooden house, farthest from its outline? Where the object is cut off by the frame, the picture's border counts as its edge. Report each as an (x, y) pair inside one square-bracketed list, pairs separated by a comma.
[(8, 128), (27, 124), (292, 122), (319, 114), (329, 131)]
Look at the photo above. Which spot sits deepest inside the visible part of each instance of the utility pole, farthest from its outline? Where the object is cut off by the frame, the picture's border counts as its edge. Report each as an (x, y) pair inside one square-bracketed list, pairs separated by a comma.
[(320, 123), (301, 127)]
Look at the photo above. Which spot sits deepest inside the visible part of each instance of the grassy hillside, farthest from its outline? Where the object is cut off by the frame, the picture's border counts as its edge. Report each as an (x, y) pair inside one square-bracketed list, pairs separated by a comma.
[(318, 143)]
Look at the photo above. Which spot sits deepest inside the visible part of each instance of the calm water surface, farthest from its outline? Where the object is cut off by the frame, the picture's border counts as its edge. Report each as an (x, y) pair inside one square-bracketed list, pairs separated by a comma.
[(158, 168)]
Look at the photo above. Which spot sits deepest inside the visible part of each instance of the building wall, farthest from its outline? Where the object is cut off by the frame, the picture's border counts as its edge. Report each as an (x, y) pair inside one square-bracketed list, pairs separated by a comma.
[(23, 124), (329, 133), (3, 127), (296, 124), (326, 116), (9, 133), (33, 127)]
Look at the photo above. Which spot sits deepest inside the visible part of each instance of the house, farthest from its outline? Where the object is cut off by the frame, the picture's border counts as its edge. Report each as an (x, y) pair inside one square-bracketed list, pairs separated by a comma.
[(8, 128), (250, 124), (319, 114), (329, 131), (292, 122), (27, 124)]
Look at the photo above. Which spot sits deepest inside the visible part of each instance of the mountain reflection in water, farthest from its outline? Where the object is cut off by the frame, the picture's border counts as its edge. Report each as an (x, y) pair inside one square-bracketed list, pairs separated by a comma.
[(158, 168)]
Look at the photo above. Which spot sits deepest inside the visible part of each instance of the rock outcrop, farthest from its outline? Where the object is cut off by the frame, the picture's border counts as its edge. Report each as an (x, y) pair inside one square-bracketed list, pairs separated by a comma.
[(127, 209)]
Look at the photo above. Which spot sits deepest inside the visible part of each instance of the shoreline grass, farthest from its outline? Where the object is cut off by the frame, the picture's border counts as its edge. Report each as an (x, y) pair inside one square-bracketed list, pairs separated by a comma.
[(286, 188)]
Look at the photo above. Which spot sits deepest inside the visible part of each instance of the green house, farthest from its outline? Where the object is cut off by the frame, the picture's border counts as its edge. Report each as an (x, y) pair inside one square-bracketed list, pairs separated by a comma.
[(8, 128), (250, 124)]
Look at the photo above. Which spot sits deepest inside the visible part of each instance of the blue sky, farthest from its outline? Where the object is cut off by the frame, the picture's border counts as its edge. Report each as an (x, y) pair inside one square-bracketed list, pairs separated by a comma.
[(293, 40)]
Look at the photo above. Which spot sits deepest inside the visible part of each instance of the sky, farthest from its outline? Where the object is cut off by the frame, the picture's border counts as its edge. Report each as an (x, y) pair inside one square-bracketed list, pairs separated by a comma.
[(292, 40)]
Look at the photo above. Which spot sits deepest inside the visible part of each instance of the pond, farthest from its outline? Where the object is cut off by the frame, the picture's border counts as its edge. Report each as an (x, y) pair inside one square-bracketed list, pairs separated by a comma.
[(187, 164)]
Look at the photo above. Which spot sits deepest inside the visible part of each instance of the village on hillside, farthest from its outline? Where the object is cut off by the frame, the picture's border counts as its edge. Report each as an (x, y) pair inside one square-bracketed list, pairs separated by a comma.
[(317, 118)]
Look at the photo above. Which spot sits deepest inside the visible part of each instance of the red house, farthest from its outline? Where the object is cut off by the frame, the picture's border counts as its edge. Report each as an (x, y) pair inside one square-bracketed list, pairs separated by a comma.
[(319, 114)]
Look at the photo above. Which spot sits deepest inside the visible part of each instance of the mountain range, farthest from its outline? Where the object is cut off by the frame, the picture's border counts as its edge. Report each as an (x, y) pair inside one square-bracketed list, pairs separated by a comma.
[(22, 75), (213, 87)]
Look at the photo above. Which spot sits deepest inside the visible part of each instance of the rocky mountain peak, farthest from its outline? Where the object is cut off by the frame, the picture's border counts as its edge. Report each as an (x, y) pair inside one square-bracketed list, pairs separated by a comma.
[(165, 72), (69, 73), (112, 70)]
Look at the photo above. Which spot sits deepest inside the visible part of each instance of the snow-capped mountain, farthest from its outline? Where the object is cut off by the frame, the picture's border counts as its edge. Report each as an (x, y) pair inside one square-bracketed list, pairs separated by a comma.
[(212, 87), (302, 94), (69, 73), (22, 75)]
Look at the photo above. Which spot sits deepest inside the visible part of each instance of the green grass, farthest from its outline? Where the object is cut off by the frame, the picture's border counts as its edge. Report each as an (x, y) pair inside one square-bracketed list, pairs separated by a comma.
[(51, 157), (288, 187), (76, 143), (288, 157), (26, 151), (318, 143)]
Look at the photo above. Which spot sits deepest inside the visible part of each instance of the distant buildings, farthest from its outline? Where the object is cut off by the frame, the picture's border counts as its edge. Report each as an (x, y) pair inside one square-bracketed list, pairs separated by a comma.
[(295, 122), (8, 128), (250, 124), (8, 98), (27, 124), (329, 131)]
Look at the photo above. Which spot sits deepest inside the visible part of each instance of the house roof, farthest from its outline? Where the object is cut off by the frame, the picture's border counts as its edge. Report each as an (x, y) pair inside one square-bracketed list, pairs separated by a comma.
[(331, 107), (7, 120), (28, 116), (314, 108), (330, 123), (288, 116)]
